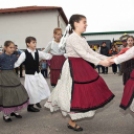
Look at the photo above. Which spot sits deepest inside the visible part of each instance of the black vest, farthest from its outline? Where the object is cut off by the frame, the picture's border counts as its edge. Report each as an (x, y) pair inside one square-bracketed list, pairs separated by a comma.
[(31, 64)]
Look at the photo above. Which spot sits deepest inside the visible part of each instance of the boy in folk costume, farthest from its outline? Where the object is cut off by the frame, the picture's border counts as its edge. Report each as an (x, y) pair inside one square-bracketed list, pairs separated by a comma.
[(58, 59), (35, 84), (80, 90)]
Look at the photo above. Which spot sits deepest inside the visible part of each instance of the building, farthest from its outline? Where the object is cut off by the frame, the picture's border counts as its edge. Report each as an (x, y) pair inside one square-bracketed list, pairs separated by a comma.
[(108, 37), (39, 21)]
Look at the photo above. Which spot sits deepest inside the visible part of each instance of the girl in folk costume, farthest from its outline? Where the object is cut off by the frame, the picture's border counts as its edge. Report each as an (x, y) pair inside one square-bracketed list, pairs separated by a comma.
[(13, 96), (80, 90), (127, 56), (35, 83), (58, 59), (128, 66)]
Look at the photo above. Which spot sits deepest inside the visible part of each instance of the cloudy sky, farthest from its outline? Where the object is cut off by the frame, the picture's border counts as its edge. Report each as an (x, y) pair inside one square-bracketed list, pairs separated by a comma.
[(102, 15)]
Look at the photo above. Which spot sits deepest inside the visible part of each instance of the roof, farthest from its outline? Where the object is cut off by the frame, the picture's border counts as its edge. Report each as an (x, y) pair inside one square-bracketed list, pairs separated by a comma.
[(111, 32), (34, 8)]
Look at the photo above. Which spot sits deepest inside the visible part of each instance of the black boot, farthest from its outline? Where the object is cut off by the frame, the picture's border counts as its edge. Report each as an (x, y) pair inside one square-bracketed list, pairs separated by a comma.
[(38, 105), (30, 108)]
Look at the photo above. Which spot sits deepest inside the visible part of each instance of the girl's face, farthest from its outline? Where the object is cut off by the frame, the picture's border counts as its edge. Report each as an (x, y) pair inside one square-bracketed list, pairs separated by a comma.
[(113, 48), (130, 41), (10, 49), (81, 25), (58, 35)]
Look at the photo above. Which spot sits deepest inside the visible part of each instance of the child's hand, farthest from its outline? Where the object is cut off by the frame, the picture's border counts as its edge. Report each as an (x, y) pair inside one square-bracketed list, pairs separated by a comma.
[(105, 63), (114, 56)]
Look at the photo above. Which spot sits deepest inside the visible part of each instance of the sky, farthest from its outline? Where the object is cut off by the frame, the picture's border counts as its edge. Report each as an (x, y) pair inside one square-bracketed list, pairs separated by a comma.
[(102, 15)]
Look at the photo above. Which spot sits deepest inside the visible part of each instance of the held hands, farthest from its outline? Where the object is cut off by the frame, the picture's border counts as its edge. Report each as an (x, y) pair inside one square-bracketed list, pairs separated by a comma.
[(107, 62)]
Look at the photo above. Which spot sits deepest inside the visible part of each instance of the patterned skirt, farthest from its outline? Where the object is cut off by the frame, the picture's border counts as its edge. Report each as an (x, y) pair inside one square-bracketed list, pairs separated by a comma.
[(13, 96), (80, 91)]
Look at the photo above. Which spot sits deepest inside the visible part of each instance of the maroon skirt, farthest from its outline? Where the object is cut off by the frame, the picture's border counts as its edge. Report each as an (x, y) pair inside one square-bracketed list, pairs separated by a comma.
[(56, 64), (89, 91), (128, 94)]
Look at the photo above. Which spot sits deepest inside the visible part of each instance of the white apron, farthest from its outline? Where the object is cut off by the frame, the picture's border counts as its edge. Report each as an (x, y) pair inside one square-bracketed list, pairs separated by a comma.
[(37, 88)]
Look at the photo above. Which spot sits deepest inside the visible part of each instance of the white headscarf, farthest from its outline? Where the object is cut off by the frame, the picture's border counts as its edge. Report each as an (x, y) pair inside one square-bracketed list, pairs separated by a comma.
[(62, 43)]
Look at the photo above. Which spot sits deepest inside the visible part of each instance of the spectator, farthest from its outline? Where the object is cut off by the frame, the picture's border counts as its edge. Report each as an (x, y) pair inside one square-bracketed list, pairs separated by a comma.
[(44, 68), (18, 53), (98, 51), (104, 51), (113, 52)]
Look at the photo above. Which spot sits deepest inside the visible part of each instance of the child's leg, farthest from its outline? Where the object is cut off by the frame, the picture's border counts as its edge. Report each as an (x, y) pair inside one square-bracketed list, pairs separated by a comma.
[(42, 71), (98, 68), (46, 73), (6, 117), (72, 125), (103, 69)]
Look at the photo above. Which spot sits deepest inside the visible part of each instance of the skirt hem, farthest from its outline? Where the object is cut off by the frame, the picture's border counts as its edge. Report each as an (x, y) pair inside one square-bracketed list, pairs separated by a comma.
[(95, 108)]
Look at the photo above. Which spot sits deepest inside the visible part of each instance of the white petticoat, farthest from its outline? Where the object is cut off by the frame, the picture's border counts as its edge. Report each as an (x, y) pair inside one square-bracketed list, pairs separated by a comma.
[(36, 87), (132, 106), (61, 96)]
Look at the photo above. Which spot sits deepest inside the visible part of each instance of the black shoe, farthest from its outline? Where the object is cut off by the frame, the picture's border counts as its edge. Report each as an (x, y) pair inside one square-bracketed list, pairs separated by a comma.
[(38, 105), (7, 119), (32, 109), (76, 128), (16, 115)]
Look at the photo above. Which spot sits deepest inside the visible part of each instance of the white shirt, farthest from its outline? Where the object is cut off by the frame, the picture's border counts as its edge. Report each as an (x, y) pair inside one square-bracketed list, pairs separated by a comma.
[(77, 46), (53, 48), (129, 54), (42, 55)]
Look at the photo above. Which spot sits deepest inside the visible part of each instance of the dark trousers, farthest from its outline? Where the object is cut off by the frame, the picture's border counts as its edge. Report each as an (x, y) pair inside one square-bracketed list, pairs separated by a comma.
[(99, 67), (104, 69), (17, 70), (114, 68), (44, 72)]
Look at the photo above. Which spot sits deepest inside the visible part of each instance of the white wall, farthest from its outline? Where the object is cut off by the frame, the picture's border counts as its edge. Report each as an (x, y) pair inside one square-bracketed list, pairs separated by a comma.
[(17, 26), (104, 37), (62, 23)]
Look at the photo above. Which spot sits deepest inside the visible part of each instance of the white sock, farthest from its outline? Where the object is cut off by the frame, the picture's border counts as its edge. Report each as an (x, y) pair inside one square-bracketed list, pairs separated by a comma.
[(16, 113), (6, 116)]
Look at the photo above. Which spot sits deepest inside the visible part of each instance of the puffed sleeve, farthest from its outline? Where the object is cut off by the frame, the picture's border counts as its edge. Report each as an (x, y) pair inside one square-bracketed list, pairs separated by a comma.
[(44, 55), (20, 60), (129, 54), (48, 47), (84, 51)]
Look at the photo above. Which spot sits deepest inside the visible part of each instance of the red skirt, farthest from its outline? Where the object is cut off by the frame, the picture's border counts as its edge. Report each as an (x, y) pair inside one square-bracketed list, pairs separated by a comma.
[(128, 94), (56, 64), (89, 91)]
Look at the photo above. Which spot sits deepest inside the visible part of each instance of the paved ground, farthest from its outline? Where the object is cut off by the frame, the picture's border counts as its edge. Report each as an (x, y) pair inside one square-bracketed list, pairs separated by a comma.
[(109, 120)]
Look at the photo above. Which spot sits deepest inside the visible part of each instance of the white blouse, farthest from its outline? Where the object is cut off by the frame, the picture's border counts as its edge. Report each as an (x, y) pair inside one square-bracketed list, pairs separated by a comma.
[(53, 48), (22, 57), (77, 46), (129, 54)]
